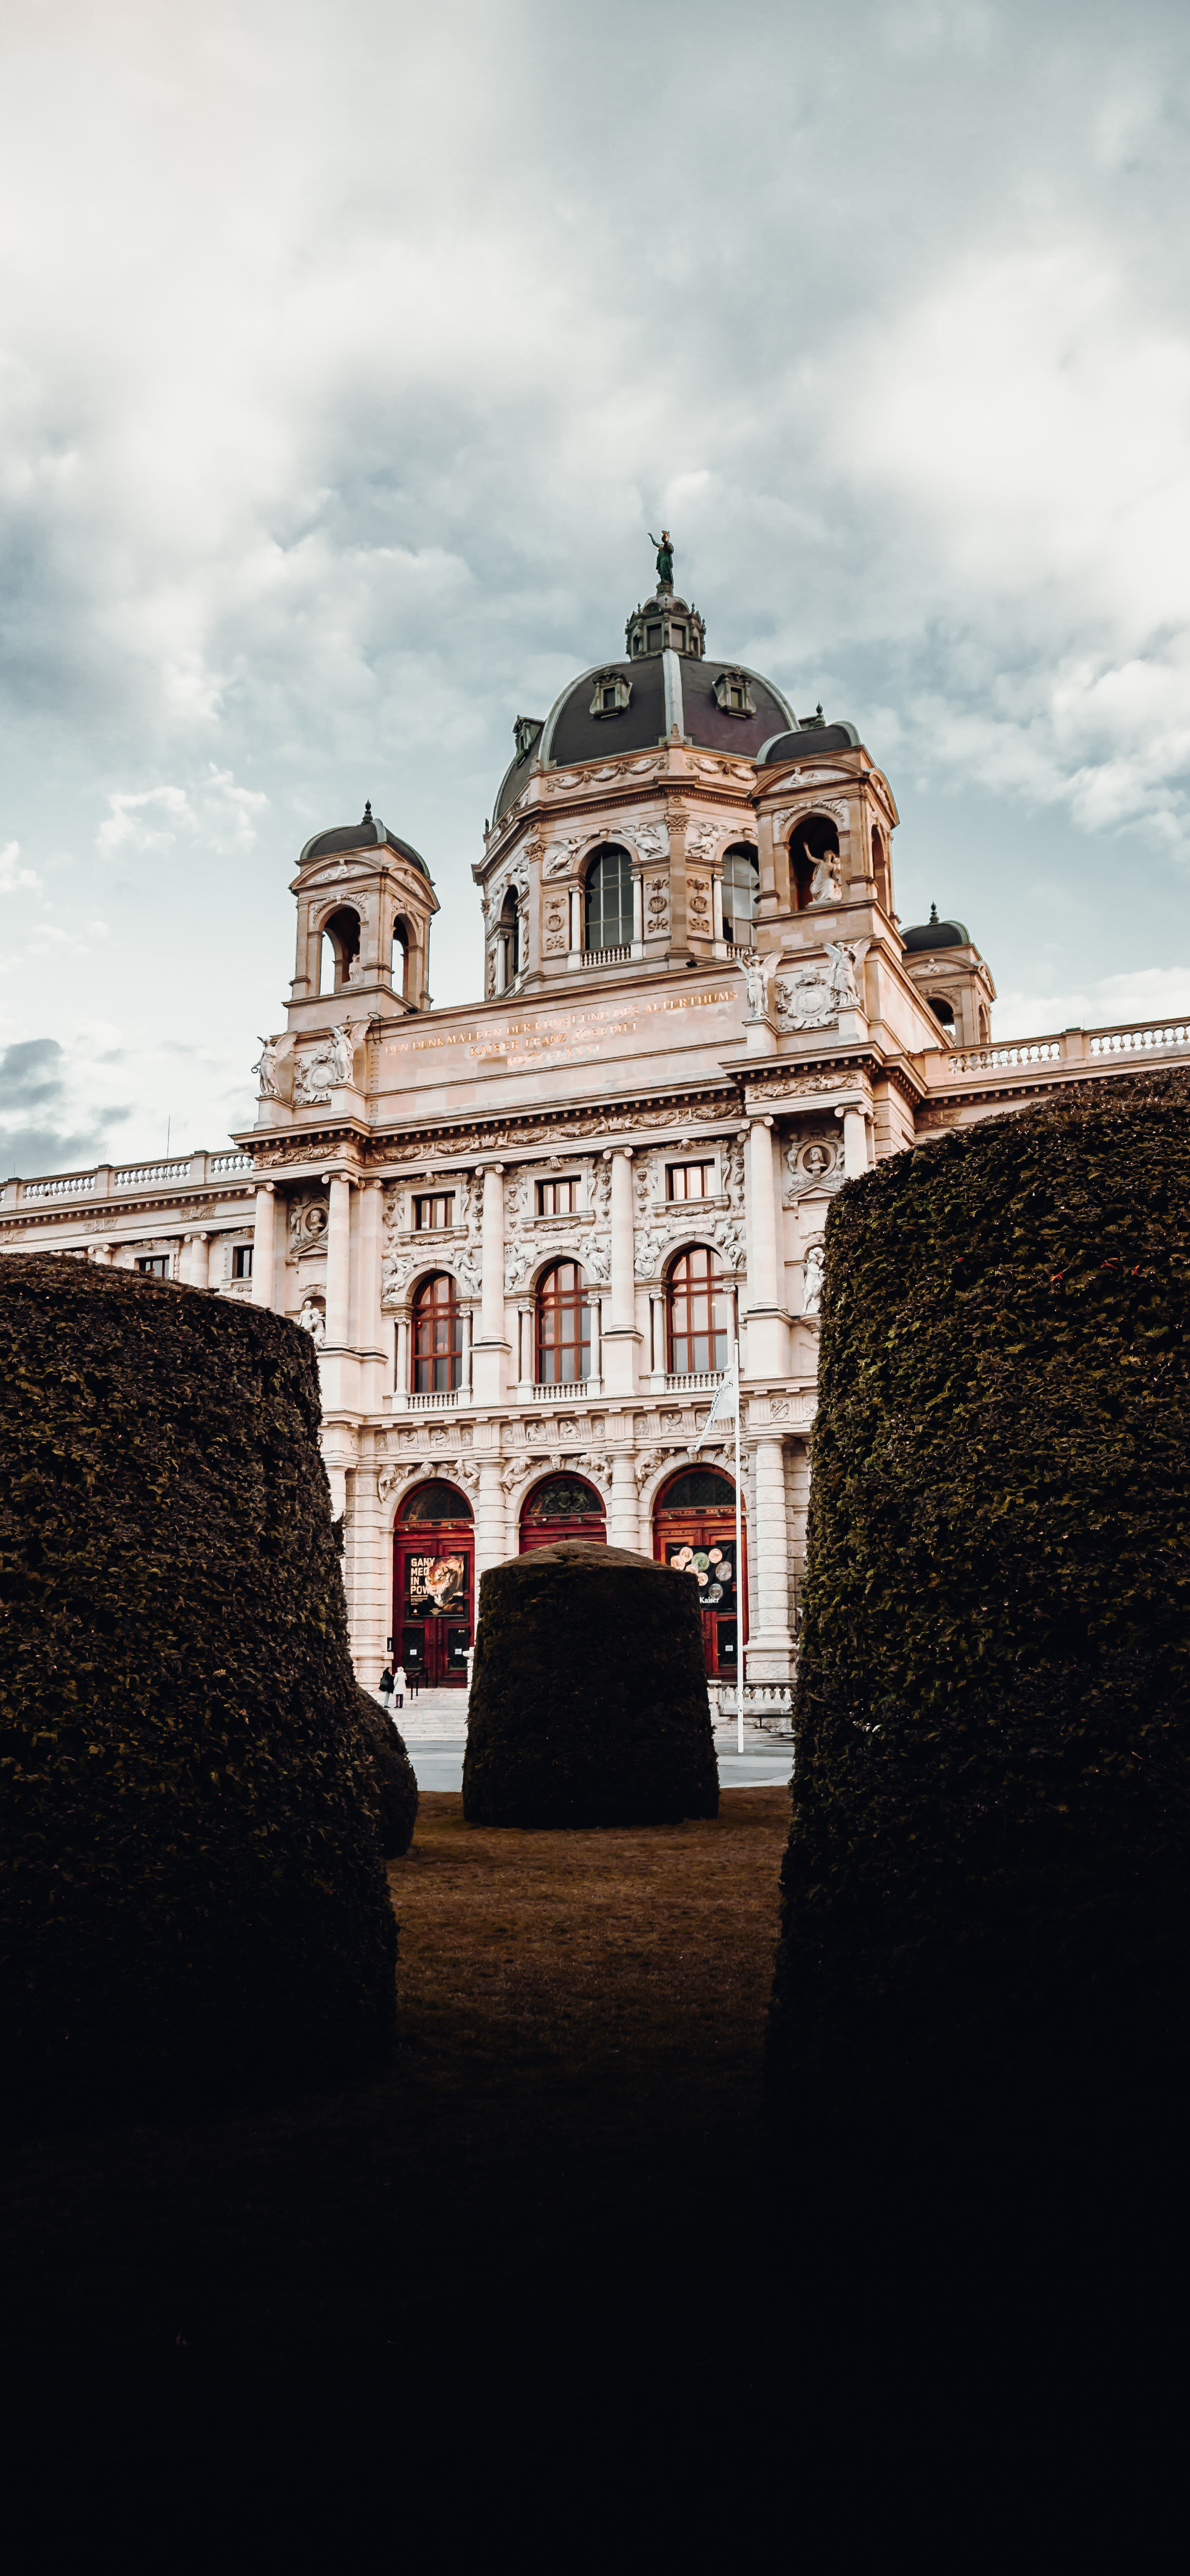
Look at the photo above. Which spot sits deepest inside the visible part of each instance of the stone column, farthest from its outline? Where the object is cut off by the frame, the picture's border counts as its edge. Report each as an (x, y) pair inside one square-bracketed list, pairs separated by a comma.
[(770, 1646), (576, 919), (768, 1327), (855, 1139), (338, 1264), (194, 1264), (526, 1355), (623, 1517), (263, 1243), (491, 1350), (621, 1338), (679, 928), (491, 1543), (658, 1354), (102, 1253), (401, 1376), (368, 1329)]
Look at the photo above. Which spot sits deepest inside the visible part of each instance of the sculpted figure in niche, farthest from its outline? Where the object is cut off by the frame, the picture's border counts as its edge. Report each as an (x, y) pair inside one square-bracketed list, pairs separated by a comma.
[(342, 1052), (824, 884), (313, 1318), (818, 1162), (812, 1279)]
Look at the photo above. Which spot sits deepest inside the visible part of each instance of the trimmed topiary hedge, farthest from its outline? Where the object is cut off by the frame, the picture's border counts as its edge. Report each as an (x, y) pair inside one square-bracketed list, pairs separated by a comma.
[(987, 1884), (588, 1694), (394, 1781), (191, 1889)]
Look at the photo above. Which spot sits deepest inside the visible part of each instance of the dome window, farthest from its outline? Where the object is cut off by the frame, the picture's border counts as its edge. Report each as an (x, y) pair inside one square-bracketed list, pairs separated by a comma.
[(525, 732), (733, 693), (612, 694)]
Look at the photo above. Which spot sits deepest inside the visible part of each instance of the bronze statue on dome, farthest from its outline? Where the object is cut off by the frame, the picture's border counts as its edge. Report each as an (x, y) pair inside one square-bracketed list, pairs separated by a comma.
[(665, 559)]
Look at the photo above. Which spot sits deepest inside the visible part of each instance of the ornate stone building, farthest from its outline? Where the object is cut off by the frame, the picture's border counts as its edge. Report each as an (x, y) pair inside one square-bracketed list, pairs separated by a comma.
[(525, 1232)]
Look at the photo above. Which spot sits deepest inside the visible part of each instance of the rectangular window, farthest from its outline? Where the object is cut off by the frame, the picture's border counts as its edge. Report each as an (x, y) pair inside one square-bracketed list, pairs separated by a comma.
[(654, 639), (155, 1265), (241, 1261), (556, 1198), (429, 1214), (691, 1180), (679, 638)]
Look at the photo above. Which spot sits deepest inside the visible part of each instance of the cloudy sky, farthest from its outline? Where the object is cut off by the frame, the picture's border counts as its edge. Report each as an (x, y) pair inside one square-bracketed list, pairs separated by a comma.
[(348, 351)]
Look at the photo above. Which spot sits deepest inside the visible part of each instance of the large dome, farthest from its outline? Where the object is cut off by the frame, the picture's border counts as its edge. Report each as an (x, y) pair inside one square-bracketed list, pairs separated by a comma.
[(665, 683)]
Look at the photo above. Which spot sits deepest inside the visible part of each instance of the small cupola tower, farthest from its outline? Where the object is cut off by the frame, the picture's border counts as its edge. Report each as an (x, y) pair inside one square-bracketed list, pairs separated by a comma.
[(365, 901)]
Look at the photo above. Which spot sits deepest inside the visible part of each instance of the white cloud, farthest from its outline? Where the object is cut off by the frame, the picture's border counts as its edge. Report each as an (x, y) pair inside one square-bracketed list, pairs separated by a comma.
[(12, 874)]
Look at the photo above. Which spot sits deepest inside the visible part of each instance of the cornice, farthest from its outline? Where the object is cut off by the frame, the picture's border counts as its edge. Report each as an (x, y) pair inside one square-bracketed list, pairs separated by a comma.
[(101, 1213), (572, 1124)]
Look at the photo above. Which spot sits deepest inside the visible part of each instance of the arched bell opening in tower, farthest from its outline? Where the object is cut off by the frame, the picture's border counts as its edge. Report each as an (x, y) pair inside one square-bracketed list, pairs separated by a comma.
[(741, 889), (510, 960), (339, 950), (815, 872), (399, 960)]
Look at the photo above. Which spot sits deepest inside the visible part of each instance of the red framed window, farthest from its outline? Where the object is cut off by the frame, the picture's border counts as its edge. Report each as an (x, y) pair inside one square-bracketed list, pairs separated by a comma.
[(699, 1314), (437, 1337), (690, 1180), (563, 1326), (431, 1212), (557, 1198)]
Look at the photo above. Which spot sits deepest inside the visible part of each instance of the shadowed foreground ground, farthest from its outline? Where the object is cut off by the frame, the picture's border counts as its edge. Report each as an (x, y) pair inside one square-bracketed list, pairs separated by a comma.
[(569, 2155)]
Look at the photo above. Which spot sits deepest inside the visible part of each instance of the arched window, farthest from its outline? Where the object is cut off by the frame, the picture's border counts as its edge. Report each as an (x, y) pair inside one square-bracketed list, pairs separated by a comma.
[(698, 1305), (609, 899), (510, 959), (985, 1024), (437, 1337), (400, 958), (561, 1507), (741, 886), (880, 870), (694, 1531), (812, 847), (942, 1009), (563, 1326), (339, 957)]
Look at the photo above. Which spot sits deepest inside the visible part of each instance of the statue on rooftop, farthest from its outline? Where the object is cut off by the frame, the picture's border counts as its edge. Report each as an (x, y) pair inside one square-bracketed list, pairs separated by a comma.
[(665, 559)]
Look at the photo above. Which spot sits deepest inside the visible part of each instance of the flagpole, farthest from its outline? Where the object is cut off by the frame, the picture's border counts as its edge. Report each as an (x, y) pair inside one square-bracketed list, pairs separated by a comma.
[(739, 1564)]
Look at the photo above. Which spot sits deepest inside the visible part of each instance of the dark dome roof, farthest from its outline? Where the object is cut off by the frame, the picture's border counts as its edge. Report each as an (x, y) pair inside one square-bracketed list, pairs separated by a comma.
[(808, 736), (361, 836), (664, 689), (938, 934)]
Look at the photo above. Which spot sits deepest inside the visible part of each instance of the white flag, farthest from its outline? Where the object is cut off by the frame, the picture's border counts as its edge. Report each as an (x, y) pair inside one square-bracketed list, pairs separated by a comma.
[(726, 1404)]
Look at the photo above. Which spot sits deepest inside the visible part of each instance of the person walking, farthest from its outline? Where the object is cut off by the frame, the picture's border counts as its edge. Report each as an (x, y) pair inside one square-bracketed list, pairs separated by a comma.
[(387, 1687), (399, 1685)]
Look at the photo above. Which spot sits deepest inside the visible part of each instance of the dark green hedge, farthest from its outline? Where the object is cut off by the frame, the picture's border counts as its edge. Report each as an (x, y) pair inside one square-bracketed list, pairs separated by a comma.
[(987, 1885), (589, 1693), (394, 1781), (191, 1889)]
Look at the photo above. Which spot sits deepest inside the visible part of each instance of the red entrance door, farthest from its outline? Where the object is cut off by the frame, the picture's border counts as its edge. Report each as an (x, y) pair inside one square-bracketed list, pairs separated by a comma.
[(433, 1584), (694, 1529), (561, 1507)]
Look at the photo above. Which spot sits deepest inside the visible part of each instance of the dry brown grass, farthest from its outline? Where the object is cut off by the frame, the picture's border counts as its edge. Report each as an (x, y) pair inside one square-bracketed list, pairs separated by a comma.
[(573, 2119)]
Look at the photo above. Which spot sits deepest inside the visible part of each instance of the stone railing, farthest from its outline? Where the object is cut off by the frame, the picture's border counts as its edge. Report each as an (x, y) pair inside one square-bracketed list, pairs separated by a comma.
[(767, 1704), (104, 1180), (148, 1176), (604, 956), (440, 1401), (1067, 1047), (694, 1382), (71, 1185)]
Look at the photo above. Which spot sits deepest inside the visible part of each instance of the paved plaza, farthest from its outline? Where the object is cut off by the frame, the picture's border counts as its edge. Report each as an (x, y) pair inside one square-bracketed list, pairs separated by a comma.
[(434, 1726)]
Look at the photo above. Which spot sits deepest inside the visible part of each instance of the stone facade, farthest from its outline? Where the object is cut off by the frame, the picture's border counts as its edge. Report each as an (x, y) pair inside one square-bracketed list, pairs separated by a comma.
[(482, 1145)]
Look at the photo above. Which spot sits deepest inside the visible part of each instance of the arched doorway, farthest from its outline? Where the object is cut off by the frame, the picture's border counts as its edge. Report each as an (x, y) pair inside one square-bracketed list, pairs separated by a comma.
[(433, 1583), (561, 1507), (694, 1529)]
